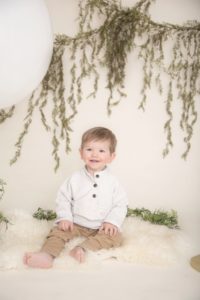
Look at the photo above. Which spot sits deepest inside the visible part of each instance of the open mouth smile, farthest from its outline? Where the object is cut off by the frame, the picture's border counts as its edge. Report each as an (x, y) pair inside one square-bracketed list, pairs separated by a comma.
[(94, 160)]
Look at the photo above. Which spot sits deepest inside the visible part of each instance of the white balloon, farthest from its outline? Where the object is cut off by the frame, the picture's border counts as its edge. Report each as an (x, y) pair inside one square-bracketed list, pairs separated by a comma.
[(26, 44)]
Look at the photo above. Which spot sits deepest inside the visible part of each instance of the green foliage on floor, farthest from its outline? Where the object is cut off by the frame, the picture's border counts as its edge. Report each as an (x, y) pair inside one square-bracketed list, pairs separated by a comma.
[(4, 220), (160, 217), (44, 214)]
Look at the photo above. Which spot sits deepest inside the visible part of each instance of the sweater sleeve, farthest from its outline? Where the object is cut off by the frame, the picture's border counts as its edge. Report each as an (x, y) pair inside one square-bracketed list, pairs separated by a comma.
[(64, 202), (118, 211)]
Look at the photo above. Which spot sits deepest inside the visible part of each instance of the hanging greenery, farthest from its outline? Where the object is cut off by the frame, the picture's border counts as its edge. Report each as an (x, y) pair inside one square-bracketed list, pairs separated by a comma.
[(119, 32), (2, 188), (3, 219), (6, 113)]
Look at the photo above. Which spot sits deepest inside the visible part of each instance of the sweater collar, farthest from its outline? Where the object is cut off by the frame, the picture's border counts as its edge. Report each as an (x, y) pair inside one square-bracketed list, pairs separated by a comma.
[(96, 174)]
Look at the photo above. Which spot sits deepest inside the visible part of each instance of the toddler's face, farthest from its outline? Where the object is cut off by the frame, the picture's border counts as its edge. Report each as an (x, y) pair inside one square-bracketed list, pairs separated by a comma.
[(96, 155)]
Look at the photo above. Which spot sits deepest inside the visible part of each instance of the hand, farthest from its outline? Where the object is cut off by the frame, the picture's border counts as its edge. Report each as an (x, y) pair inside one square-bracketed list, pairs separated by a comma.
[(109, 229), (65, 225)]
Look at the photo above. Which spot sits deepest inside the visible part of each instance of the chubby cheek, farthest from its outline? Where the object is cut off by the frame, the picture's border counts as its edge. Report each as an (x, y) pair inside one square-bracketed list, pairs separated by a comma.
[(82, 156), (109, 160), (81, 153)]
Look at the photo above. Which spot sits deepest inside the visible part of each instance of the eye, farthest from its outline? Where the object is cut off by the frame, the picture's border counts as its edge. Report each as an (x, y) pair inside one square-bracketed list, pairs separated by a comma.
[(102, 151), (88, 149)]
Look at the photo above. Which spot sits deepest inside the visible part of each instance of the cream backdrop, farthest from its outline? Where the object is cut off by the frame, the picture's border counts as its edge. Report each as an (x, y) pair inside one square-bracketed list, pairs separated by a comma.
[(150, 180)]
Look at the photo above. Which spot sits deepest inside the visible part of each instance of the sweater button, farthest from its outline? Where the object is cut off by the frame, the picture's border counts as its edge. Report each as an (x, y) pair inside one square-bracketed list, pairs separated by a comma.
[(94, 195), (95, 185), (97, 176)]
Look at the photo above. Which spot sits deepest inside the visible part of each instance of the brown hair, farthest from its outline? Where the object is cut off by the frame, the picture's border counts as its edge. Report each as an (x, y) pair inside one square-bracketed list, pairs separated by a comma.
[(100, 133)]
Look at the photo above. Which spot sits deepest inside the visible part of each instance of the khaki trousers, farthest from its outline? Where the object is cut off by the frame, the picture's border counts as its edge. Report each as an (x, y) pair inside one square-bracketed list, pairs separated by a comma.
[(95, 240)]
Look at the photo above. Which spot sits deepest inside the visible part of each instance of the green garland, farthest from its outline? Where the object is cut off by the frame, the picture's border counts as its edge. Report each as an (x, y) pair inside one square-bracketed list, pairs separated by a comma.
[(44, 214), (160, 217), (122, 30)]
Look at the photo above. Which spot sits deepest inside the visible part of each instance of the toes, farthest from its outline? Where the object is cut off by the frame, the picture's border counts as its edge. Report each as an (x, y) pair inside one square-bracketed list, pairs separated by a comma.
[(26, 257), (81, 254), (78, 253)]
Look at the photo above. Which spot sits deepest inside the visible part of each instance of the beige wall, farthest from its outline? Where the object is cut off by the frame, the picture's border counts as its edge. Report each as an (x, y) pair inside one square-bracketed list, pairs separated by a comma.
[(150, 180)]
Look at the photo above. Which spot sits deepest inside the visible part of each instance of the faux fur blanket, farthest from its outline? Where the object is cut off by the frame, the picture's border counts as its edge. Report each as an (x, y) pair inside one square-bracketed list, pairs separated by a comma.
[(144, 243)]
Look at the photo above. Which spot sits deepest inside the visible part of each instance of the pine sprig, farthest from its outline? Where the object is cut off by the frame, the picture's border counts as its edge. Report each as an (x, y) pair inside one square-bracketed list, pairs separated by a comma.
[(44, 214), (6, 113), (4, 220), (160, 217), (2, 188)]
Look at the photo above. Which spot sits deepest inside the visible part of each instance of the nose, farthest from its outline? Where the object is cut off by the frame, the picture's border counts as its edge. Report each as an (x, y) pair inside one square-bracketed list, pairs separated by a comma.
[(94, 153)]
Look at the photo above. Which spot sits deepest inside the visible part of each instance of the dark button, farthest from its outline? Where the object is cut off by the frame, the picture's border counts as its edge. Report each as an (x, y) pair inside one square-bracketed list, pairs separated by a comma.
[(97, 176), (94, 195), (95, 185)]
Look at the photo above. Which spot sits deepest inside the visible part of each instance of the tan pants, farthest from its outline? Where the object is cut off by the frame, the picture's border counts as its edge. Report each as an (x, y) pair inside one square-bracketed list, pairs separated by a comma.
[(95, 240)]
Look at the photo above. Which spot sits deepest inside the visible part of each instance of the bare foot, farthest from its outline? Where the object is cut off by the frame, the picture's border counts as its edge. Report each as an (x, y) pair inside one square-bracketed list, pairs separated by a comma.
[(78, 253), (38, 260)]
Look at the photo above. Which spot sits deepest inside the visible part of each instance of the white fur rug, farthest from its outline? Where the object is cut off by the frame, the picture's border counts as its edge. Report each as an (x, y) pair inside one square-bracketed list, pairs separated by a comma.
[(144, 243)]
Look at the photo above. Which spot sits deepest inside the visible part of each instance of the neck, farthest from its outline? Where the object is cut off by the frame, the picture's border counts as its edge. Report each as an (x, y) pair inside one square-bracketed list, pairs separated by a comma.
[(92, 172)]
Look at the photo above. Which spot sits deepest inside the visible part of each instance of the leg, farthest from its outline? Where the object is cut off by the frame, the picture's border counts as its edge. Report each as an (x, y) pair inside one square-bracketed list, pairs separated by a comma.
[(38, 260), (195, 262), (52, 247), (78, 253), (100, 240)]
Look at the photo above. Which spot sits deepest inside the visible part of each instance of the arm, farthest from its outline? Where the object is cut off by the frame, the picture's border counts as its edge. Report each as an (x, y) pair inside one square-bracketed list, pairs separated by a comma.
[(63, 206), (118, 211)]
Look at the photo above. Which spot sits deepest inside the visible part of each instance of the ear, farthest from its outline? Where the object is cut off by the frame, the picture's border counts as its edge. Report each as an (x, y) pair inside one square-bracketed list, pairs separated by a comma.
[(81, 153)]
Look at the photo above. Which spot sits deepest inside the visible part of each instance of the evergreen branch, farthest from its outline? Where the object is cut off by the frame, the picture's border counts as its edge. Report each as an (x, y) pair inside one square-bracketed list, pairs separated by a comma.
[(4, 220), (2, 189), (167, 125), (5, 114), (27, 124), (44, 214), (160, 217)]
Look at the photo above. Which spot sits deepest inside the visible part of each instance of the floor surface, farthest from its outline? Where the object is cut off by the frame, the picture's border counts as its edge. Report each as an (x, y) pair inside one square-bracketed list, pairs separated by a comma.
[(111, 281)]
